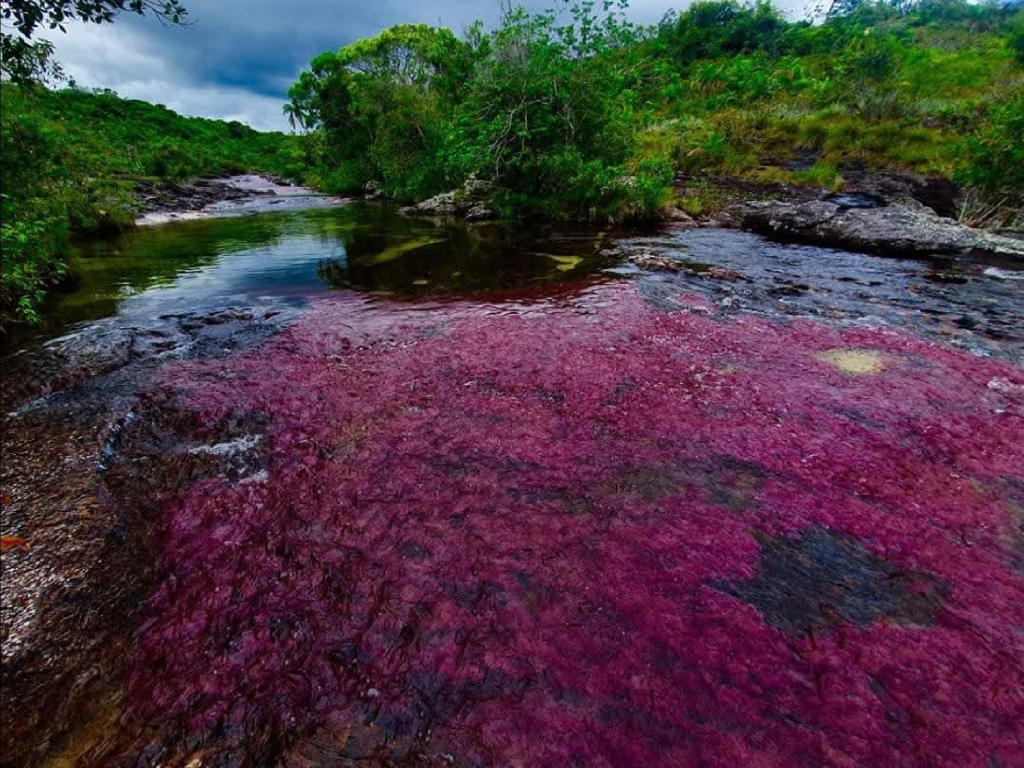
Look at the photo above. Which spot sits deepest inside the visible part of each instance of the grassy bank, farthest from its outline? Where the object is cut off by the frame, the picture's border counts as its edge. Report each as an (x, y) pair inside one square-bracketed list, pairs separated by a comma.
[(70, 161)]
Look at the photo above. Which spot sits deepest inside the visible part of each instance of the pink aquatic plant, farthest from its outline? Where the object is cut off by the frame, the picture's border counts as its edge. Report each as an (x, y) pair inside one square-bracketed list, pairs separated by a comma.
[(583, 531)]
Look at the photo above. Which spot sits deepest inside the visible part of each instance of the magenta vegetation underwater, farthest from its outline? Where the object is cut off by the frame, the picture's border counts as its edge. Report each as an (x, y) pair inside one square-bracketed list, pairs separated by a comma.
[(583, 531)]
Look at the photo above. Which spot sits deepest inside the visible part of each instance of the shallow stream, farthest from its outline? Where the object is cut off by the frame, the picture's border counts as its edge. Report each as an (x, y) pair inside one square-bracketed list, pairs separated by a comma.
[(392, 490)]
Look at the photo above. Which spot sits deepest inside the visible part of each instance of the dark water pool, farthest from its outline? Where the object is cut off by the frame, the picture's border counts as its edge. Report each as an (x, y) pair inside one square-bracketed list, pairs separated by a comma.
[(290, 258)]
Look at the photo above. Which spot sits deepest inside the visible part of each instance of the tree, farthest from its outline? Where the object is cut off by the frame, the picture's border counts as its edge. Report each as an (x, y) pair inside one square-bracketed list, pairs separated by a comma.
[(379, 105), (714, 28), (1016, 41), (24, 60), (548, 115)]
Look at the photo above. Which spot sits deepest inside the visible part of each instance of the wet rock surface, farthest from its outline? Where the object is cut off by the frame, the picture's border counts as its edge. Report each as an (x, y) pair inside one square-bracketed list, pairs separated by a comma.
[(165, 197), (974, 305), (70, 598), (85, 454), (162, 202), (820, 579), (123, 349)]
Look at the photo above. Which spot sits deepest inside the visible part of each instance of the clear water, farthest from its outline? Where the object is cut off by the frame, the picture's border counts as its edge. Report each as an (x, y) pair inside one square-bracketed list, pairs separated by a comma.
[(295, 256)]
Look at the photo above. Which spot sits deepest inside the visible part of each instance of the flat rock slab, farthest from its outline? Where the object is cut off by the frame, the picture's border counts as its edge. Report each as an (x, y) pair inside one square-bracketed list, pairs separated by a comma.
[(893, 229)]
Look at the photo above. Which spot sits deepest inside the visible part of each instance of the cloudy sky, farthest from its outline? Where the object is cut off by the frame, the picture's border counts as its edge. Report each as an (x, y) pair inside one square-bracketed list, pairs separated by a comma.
[(237, 58)]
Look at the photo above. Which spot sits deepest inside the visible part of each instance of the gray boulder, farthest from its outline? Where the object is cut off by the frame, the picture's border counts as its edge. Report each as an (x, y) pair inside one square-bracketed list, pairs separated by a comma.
[(913, 190), (372, 190), (438, 205), (469, 202), (888, 229)]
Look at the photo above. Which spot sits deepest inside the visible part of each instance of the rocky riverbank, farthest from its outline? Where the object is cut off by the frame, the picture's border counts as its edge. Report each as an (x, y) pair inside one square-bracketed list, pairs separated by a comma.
[(86, 448), (163, 202), (888, 213)]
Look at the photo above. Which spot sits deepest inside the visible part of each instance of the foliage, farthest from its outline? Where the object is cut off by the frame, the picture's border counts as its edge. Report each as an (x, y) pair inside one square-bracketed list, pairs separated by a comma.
[(380, 104), (541, 106), (714, 28), (70, 158), (1016, 39), (548, 116), (993, 161), (575, 112)]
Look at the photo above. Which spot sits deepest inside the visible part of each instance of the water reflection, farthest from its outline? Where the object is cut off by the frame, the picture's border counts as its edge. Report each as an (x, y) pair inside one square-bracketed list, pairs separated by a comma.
[(291, 257), (416, 258)]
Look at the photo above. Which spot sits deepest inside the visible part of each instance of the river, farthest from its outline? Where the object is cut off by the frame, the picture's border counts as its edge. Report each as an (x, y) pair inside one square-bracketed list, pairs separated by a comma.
[(328, 486)]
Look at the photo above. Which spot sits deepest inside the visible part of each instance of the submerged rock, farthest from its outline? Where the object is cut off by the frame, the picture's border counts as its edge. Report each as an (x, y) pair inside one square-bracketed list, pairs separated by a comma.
[(892, 229), (857, 362), (821, 578)]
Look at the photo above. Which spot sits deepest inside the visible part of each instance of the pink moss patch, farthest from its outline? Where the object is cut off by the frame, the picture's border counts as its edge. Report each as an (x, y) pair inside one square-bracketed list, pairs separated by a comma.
[(499, 534)]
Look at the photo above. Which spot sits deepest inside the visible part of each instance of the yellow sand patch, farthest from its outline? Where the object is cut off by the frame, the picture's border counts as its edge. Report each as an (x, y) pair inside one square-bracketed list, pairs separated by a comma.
[(857, 362)]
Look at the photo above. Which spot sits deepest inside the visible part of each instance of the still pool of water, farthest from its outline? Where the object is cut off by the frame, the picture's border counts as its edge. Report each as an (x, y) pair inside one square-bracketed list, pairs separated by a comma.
[(495, 498), (296, 256)]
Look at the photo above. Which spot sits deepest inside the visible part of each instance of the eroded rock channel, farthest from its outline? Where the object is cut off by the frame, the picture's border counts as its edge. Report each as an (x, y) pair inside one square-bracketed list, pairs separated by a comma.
[(337, 487)]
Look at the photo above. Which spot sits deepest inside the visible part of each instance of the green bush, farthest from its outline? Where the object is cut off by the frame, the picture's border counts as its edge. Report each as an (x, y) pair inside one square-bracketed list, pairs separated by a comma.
[(993, 157), (32, 244), (1016, 39), (713, 28)]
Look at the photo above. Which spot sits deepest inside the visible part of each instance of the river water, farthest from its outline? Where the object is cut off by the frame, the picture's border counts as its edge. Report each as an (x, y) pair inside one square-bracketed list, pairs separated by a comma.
[(402, 491)]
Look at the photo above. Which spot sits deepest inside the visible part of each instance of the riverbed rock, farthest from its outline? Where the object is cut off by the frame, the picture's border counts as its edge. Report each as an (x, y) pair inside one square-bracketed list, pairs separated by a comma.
[(888, 229), (655, 262), (913, 190), (469, 202), (195, 195), (821, 579), (86, 447)]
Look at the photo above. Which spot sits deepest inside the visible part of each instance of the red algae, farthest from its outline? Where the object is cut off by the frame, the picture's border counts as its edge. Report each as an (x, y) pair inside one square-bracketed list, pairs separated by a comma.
[(563, 532)]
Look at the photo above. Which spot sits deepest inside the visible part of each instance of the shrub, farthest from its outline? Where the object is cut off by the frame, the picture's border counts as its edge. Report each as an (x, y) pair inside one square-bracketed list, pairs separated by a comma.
[(993, 157)]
